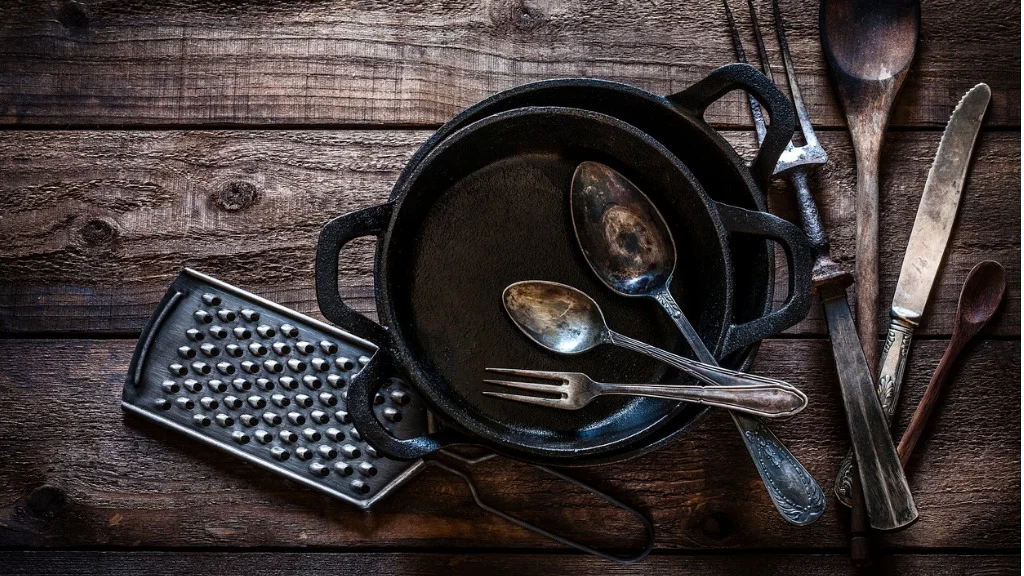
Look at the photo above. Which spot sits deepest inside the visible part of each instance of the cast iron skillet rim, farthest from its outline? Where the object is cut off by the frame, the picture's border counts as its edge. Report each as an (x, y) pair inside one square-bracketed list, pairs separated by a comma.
[(404, 359)]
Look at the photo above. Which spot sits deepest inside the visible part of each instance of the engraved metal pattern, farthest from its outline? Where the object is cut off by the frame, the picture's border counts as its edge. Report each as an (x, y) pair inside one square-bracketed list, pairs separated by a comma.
[(295, 424)]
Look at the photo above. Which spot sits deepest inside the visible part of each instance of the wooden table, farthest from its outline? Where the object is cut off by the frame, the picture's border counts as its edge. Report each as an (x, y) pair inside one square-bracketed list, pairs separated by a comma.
[(140, 138)]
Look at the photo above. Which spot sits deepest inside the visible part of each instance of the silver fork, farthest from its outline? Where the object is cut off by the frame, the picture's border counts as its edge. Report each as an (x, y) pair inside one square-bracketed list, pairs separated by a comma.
[(573, 390)]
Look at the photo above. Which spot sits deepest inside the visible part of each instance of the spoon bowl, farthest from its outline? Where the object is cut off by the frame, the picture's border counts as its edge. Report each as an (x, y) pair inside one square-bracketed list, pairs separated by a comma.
[(981, 295), (558, 317)]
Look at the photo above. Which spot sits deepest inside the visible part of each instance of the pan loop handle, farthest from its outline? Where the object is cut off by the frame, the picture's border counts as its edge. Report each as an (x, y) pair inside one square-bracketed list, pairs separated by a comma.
[(799, 260), (361, 390), (731, 77), (646, 521), (333, 237)]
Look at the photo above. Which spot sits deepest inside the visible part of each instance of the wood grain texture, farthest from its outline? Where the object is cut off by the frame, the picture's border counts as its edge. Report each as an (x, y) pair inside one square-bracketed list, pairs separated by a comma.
[(78, 473), (422, 564), (418, 62), (97, 224)]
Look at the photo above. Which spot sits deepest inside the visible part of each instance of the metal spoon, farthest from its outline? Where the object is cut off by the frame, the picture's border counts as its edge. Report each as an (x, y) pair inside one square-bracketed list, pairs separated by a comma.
[(869, 45), (980, 298), (627, 243)]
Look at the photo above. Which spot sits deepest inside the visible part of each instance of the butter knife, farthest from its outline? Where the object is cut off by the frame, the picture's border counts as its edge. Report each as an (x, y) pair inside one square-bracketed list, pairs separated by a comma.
[(932, 227)]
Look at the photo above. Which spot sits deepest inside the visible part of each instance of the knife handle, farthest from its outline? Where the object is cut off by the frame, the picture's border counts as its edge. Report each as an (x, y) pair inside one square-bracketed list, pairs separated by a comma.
[(890, 377)]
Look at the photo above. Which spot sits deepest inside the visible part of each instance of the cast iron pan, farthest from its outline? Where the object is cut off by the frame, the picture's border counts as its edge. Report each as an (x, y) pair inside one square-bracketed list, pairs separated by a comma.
[(487, 207)]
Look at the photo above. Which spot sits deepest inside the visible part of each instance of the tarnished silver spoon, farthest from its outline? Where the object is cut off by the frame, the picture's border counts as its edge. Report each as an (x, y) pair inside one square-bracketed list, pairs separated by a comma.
[(627, 243), (565, 320)]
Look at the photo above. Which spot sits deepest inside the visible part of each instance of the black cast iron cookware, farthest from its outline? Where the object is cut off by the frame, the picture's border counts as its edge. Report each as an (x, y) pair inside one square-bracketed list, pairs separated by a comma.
[(487, 207)]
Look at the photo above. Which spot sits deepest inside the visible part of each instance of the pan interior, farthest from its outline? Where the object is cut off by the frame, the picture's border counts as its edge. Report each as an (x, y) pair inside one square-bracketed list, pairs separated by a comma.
[(490, 207)]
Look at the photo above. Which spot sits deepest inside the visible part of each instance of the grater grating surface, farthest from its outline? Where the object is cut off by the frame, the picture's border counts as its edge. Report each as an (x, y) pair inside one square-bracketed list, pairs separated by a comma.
[(269, 385)]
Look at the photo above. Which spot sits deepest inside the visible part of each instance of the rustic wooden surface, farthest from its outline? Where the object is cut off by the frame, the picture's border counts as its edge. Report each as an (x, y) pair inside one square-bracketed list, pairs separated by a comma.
[(143, 137)]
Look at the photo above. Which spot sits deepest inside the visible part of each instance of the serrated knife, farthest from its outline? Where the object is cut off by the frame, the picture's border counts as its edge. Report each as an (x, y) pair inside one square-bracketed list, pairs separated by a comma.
[(932, 227)]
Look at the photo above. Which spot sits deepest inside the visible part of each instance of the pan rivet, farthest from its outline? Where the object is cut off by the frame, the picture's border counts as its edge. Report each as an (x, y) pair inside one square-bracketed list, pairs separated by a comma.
[(344, 363), (217, 386), (271, 418), (256, 402), (303, 453), (208, 403), (242, 333), (241, 384), (343, 468), (288, 383), (335, 434), (318, 469), (177, 370), (328, 347), (289, 330), (312, 382), (288, 436), (203, 317), (240, 437), (335, 381), (304, 347), (281, 348), (201, 420), (170, 386), (224, 420), (162, 404), (280, 400), (226, 315), (194, 335), (211, 299), (319, 416), (209, 350), (225, 368), (279, 454), (326, 452), (296, 418), (192, 385), (250, 315), (265, 331), (234, 350), (218, 332), (311, 434)]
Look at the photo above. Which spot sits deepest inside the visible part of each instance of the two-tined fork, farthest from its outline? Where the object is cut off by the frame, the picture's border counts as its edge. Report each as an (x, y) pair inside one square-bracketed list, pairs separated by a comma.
[(573, 390), (885, 493)]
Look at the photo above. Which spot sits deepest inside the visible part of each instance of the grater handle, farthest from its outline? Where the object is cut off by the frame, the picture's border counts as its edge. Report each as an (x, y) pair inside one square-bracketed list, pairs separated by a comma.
[(333, 237), (360, 407)]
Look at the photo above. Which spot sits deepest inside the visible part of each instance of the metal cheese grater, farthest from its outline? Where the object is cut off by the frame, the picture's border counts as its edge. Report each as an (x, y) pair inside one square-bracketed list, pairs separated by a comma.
[(268, 384)]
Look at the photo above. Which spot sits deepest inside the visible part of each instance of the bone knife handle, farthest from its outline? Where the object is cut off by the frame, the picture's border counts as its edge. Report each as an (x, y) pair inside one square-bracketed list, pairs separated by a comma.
[(890, 377)]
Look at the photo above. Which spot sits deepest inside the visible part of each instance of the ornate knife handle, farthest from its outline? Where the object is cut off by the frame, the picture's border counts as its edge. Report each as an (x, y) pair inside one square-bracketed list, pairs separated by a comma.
[(890, 377)]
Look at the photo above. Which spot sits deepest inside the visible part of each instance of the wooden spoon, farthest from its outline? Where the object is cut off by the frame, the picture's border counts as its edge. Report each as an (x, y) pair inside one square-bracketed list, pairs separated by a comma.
[(983, 291), (868, 45)]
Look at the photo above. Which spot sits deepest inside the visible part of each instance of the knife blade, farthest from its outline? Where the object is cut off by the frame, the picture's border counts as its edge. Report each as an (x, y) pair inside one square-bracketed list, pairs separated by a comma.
[(932, 227)]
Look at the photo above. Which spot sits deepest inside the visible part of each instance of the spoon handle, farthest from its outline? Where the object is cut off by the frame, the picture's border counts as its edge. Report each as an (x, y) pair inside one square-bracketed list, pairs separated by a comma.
[(683, 324), (766, 400), (795, 493)]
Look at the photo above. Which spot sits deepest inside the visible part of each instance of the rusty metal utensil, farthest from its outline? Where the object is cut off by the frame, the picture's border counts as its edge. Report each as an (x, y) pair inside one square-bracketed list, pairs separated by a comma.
[(890, 500), (574, 390), (979, 299), (869, 46)]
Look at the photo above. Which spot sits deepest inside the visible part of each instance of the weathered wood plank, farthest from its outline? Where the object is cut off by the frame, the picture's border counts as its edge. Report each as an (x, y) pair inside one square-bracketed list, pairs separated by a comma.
[(95, 225), (77, 473), (104, 62), (421, 564)]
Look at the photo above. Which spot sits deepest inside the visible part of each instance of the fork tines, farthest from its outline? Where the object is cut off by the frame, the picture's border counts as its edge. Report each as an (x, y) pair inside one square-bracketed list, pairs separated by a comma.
[(549, 388)]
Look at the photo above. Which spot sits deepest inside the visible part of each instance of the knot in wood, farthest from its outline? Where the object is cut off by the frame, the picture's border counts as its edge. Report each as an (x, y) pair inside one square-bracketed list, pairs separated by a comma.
[(46, 502), (715, 525), (72, 15), (526, 17), (236, 195), (98, 231)]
